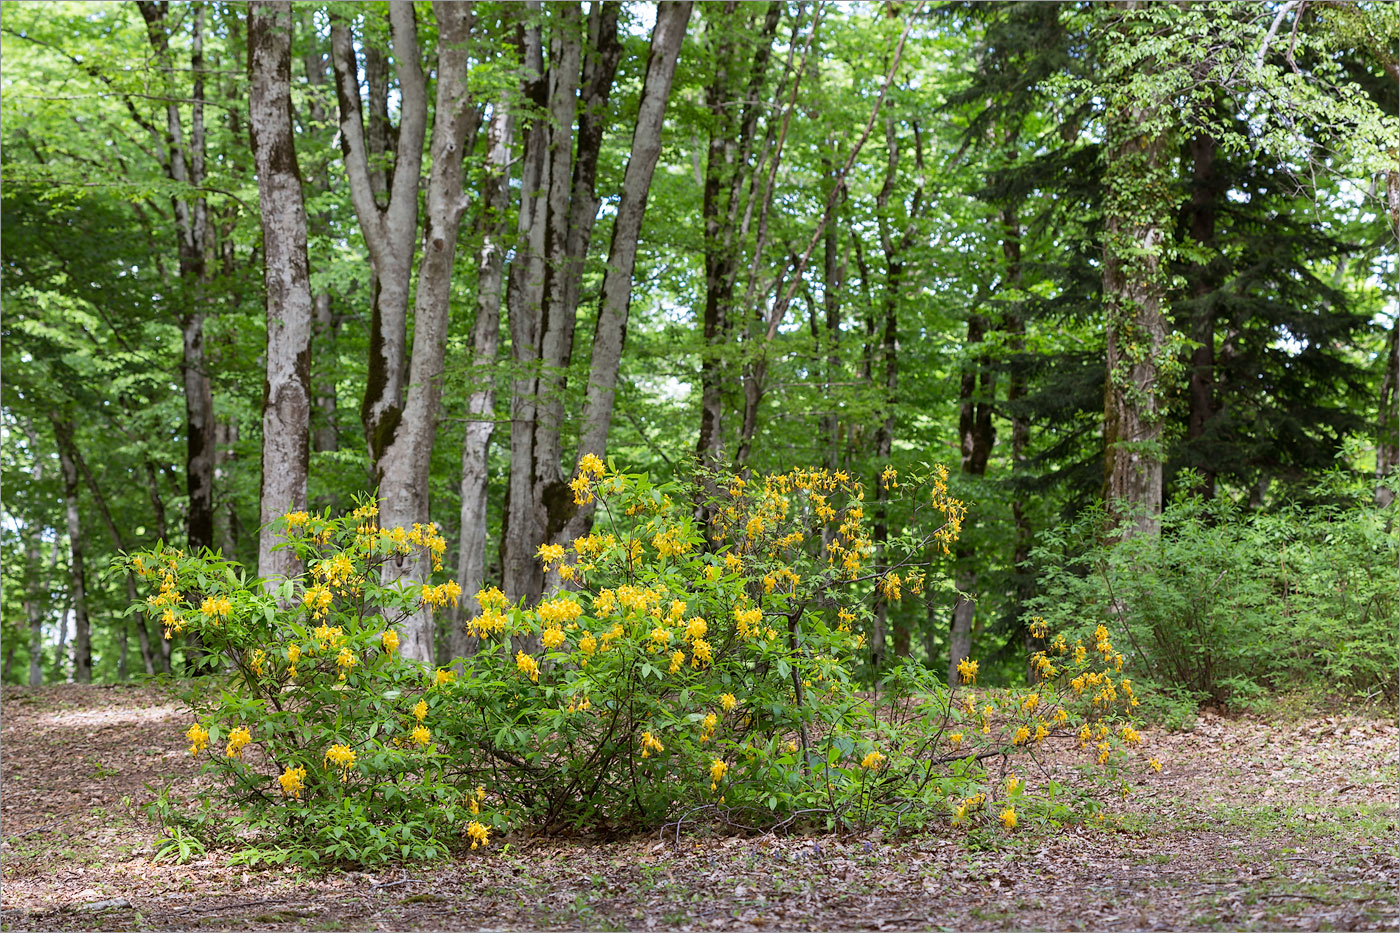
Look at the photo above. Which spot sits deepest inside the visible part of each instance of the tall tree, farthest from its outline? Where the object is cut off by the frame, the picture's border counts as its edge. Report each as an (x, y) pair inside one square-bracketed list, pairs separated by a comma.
[(77, 549), (286, 417)]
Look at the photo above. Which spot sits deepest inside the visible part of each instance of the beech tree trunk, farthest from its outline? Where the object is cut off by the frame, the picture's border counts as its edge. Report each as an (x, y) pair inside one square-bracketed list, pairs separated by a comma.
[(286, 415), (1201, 400), (36, 591), (185, 166), (481, 403), (77, 547), (390, 231), (406, 459)]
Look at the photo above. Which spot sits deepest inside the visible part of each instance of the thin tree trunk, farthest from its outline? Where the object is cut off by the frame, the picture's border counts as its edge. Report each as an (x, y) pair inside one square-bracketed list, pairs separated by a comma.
[(407, 458), (118, 543), (611, 333), (286, 415), (185, 166), (325, 433), (390, 232), (163, 536), (1201, 400), (481, 404), (77, 546), (1388, 442), (34, 605)]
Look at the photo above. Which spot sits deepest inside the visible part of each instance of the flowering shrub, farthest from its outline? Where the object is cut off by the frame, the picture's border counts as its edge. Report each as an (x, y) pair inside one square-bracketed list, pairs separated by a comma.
[(684, 671)]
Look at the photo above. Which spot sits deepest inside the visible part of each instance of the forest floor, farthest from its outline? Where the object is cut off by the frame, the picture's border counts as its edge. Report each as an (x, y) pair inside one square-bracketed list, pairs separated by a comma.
[(1253, 824)]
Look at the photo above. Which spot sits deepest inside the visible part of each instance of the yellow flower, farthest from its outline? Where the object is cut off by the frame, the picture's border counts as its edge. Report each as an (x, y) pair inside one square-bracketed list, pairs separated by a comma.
[(478, 834), (257, 661), (390, 641), (443, 677), (236, 740), (552, 638), (677, 660), (527, 665), (216, 607), (727, 701), (342, 757), (550, 554), (293, 656), (292, 781), (587, 644), (345, 661), (1008, 818), (707, 726), (717, 769), (695, 628), (420, 712), (967, 669), (421, 735), (1156, 765), (1013, 784), (651, 743), (199, 738), (700, 653), (296, 519), (872, 761), (1022, 736), (591, 465), (956, 739), (888, 478), (1029, 704)]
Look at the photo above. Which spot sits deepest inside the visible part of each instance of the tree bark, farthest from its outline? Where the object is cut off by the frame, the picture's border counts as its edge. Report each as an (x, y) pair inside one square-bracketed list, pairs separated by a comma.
[(185, 166), (325, 434), (143, 635), (481, 403), (611, 333), (407, 458), (1201, 400), (286, 415), (1387, 442), (1137, 213), (77, 547), (34, 603), (390, 232)]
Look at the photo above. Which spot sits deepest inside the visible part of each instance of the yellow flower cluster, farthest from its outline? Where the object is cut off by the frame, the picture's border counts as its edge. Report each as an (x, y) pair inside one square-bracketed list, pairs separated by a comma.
[(718, 767), (342, 757), (442, 594), (527, 666), (651, 743), (216, 608), (559, 611), (237, 740), (345, 661), (390, 640), (872, 761), (293, 781), (199, 738), (967, 670), (478, 834)]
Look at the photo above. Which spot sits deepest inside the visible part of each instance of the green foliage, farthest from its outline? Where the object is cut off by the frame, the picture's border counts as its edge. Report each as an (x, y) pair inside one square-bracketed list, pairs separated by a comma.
[(1226, 606), (687, 672)]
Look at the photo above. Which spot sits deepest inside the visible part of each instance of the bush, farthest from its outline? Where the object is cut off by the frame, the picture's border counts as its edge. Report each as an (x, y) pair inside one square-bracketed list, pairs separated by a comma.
[(1227, 607), (686, 672)]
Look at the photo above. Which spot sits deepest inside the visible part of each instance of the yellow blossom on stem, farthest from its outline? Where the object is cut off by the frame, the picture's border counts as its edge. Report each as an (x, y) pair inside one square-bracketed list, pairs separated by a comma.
[(443, 677), (420, 711), (552, 638), (550, 554), (527, 666), (390, 641), (421, 735), (651, 743), (728, 701), (478, 834), (1156, 765), (967, 670), (342, 757), (345, 661), (199, 738), (293, 780), (677, 660), (237, 739), (872, 761), (717, 769), (1008, 818)]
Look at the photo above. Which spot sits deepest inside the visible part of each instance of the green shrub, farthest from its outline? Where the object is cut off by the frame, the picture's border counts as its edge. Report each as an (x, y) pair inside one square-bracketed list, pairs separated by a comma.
[(686, 672), (1228, 607)]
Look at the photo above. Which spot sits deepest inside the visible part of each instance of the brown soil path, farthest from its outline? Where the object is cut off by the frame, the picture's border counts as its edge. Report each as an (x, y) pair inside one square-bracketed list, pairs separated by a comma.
[(1252, 825)]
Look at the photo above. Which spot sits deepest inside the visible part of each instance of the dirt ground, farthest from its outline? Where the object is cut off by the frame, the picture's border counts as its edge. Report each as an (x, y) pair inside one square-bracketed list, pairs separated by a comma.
[(1252, 824)]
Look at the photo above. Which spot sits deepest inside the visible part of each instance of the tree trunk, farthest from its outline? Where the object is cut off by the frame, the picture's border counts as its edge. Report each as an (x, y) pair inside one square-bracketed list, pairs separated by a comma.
[(77, 545), (286, 415), (325, 434), (525, 307), (1201, 401), (1138, 209), (481, 403), (185, 166), (611, 333), (36, 587), (406, 459), (118, 543), (390, 232), (1388, 443)]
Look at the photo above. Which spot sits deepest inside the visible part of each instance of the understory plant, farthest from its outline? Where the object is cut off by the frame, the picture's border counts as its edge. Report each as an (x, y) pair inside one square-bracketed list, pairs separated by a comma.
[(694, 664), (1229, 607)]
